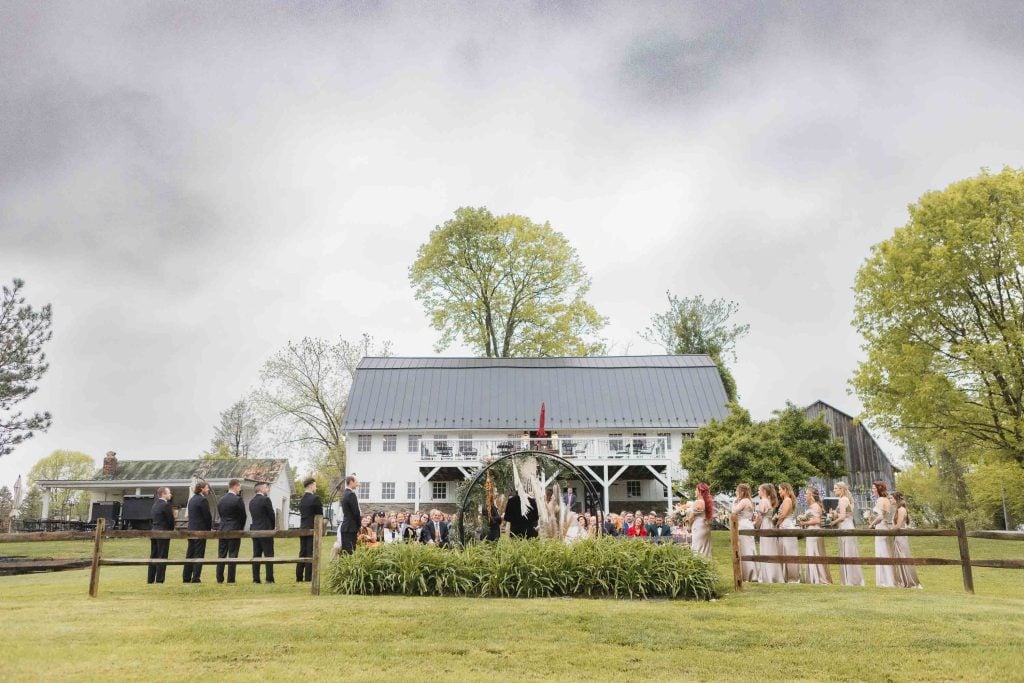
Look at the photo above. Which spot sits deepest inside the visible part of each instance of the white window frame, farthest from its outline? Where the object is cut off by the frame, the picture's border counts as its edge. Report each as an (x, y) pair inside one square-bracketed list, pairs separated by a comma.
[(364, 442), (364, 490), (410, 490), (634, 484), (668, 440), (390, 443), (615, 443), (414, 443), (435, 486), (387, 490)]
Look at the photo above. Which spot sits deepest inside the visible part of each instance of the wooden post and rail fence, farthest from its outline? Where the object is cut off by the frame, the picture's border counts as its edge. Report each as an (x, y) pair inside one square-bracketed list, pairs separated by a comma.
[(102, 533), (960, 532)]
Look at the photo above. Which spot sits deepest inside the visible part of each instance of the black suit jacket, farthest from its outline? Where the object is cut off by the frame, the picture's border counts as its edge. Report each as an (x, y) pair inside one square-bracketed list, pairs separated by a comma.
[(428, 534), (199, 517), (351, 518), (569, 500), (261, 512), (309, 507), (163, 518), (232, 512), (519, 524)]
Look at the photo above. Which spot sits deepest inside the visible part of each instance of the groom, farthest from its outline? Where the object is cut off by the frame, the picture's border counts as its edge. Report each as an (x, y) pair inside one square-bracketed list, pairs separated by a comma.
[(520, 525)]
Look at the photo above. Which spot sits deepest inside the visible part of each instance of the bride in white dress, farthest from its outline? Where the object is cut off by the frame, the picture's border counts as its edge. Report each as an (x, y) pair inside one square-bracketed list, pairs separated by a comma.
[(885, 577)]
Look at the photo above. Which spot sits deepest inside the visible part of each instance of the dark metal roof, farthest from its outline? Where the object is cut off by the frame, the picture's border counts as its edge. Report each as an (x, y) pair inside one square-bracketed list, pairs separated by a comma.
[(506, 393), (257, 469)]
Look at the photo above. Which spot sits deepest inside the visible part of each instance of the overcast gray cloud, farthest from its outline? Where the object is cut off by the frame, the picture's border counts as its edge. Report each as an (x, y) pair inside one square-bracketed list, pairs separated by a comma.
[(193, 185)]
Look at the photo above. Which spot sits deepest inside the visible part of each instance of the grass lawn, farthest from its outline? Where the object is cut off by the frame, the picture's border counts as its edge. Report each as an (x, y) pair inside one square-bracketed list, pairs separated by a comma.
[(51, 629)]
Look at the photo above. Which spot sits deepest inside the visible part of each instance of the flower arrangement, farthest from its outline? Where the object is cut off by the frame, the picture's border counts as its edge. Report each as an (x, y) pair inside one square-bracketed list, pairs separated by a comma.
[(866, 514), (830, 518), (803, 519)]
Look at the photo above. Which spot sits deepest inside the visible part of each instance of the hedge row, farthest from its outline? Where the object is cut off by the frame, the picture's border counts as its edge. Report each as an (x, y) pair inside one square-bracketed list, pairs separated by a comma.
[(527, 569)]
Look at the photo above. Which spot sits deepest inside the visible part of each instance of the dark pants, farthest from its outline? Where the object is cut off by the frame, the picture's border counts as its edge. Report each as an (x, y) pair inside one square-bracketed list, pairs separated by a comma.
[(196, 549), (158, 549), (228, 547), (304, 570), (262, 547), (348, 542)]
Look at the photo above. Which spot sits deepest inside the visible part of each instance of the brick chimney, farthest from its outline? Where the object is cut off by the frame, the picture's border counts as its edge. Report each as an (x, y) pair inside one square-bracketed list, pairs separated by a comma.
[(110, 464)]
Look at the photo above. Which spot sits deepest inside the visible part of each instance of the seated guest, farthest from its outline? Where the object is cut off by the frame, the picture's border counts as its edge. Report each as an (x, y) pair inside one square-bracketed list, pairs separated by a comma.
[(436, 530), (391, 532), (411, 534), (638, 529), (658, 529), (627, 522), (366, 537)]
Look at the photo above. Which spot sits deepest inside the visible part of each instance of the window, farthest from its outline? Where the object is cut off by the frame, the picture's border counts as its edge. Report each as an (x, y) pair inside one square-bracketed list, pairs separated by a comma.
[(414, 443), (667, 443), (440, 441), (410, 490), (465, 443), (364, 443), (615, 444), (639, 442), (364, 490), (387, 490), (632, 489), (390, 443), (439, 490)]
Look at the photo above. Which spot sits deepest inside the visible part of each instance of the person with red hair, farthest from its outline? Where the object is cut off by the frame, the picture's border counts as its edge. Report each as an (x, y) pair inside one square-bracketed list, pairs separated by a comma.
[(703, 509)]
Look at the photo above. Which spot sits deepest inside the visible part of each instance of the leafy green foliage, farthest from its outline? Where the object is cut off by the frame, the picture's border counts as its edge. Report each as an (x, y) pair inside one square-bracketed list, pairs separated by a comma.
[(507, 286), (23, 332), (65, 465), (789, 447), (941, 307), (527, 569), (693, 325), (990, 483)]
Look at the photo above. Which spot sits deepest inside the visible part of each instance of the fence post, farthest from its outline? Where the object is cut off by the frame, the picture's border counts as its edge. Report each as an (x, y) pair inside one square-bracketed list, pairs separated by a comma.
[(318, 535), (734, 535), (97, 551), (965, 555)]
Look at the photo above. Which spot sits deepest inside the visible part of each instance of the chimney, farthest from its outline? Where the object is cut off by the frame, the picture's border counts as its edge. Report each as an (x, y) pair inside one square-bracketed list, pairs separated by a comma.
[(110, 464)]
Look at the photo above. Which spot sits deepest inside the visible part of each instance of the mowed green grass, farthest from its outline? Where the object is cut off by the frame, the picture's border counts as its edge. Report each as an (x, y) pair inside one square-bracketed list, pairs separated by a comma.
[(50, 629)]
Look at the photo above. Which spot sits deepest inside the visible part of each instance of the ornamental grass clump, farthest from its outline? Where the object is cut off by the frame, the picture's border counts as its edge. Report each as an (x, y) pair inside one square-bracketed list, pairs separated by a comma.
[(527, 569)]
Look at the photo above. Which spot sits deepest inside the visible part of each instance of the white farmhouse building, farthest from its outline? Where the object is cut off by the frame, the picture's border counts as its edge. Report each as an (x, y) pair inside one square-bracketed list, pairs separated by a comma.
[(415, 427)]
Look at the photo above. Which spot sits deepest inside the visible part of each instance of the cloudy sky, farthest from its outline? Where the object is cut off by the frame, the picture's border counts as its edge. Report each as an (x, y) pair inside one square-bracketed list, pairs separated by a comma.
[(193, 185)]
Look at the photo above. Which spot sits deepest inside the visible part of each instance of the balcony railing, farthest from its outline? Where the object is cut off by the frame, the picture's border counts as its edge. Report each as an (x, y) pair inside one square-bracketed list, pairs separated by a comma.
[(478, 450)]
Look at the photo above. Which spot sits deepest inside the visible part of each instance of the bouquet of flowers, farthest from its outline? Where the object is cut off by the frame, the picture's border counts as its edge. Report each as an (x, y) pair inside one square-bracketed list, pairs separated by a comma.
[(829, 519), (775, 518), (803, 519), (866, 514), (681, 514)]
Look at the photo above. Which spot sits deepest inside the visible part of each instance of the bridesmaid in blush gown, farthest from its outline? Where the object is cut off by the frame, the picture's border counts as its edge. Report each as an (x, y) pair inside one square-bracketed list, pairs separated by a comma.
[(787, 520), (850, 574), (703, 508), (768, 572), (885, 577), (744, 509), (816, 573), (906, 575)]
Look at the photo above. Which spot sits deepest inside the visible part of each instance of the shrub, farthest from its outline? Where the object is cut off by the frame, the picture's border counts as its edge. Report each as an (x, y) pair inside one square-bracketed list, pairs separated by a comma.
[(527, 569)]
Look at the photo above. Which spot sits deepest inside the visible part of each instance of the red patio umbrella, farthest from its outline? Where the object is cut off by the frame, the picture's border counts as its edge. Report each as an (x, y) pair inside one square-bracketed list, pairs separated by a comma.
[(540, 427)]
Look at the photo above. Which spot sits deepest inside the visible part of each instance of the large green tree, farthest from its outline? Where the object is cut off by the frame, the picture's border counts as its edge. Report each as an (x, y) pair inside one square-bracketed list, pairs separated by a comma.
[(24, 331), (940, 305), (65, 465), (788, 447), (508, 287), (693, 325)]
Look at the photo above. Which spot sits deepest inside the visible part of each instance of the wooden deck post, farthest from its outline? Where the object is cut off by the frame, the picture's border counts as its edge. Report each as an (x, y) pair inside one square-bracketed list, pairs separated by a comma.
[(965, 556), (734, 535), (97, 552), (318, 535)]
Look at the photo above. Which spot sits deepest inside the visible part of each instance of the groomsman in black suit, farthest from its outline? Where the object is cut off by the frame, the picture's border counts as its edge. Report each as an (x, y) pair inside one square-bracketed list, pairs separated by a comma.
[(163, 520), (436, 530), (351, 517), (569, 498), (232, 518), (261, 512), (199, 519), (309, 507), (520, 525)]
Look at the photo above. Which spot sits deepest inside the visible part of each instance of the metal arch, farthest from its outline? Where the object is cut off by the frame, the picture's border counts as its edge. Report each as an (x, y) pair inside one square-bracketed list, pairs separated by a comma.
[(580, 474)]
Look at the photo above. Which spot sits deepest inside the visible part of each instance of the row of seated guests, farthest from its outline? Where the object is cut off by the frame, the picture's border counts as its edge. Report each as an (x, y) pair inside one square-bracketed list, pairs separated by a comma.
[(776, 509), (381, 527), (692, 526)]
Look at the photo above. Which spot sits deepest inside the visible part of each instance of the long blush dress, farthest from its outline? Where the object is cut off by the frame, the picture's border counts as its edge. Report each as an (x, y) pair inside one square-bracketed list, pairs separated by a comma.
[(816, 573), (885, 577), (769, 572), (701, 543), (850, 574), (790, 547), (748, 570), (906, 575)]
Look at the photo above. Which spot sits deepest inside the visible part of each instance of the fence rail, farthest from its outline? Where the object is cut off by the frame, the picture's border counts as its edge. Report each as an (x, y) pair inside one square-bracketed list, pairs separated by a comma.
[(101, 533), (960, 532)]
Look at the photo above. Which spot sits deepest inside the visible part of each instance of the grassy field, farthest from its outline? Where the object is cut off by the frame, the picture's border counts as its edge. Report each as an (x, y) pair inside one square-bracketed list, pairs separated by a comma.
[(52, 629)]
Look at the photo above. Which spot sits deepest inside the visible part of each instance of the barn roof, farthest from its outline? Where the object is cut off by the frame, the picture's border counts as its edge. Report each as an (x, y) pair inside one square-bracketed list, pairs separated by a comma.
[(256, 469), (506, 393)]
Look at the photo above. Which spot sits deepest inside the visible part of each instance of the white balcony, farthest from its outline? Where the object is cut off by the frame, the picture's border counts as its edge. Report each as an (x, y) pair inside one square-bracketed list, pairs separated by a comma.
[(474, 451)]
